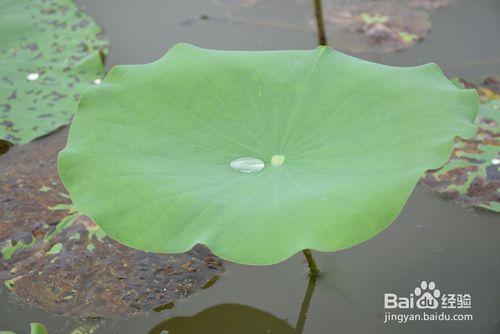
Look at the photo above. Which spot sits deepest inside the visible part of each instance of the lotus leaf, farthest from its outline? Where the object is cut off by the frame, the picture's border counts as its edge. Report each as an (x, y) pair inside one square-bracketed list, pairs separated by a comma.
[(36, 328), (45, 246), (344, 142), (472, 176), (49, 53)]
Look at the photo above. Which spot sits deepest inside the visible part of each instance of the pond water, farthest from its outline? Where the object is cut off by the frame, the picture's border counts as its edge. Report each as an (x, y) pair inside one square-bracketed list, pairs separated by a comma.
[(433, 239)]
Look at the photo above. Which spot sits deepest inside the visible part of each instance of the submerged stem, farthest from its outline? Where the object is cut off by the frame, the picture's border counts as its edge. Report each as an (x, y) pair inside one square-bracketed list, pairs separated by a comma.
[(313, 268), (301, 321), (320, 25)]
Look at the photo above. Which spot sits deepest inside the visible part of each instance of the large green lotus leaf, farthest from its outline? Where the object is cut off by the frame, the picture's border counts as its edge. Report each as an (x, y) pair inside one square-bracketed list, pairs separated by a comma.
[(49, 53), (148, 155)]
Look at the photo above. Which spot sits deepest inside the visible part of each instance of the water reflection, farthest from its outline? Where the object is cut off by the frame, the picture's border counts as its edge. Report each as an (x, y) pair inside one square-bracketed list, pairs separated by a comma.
[(237, 318), (226, 318)]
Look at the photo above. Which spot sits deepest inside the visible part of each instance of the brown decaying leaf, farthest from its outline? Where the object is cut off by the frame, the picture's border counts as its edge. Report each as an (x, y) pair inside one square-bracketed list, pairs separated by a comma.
[(374, 26), (76, 270), (470, 177)]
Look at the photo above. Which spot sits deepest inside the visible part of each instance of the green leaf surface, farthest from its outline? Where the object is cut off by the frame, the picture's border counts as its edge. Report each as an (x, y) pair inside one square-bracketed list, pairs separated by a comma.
[(149, 152), (37, 328), (49, 54)]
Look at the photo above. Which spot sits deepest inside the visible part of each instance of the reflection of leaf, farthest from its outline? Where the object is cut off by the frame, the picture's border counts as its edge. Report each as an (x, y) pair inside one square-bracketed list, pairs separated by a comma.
[(226, 318), (472, 176), (49, 53), (355, 137)]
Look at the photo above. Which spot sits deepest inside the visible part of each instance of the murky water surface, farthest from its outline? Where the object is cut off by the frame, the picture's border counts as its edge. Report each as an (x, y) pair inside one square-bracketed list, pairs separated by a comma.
[(433, 239)]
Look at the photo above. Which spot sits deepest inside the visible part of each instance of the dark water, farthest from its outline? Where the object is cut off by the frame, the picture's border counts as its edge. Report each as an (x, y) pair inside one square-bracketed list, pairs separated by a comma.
[(464, 38), (433, 239)]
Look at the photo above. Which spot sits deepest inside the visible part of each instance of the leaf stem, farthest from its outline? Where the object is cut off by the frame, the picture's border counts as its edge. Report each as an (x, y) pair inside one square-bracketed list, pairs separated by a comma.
[(320, 25), (313, 268), (301, 321)]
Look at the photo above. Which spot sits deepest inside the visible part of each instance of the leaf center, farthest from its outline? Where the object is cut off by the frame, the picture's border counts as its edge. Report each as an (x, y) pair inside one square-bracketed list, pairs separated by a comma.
[(277, 159)]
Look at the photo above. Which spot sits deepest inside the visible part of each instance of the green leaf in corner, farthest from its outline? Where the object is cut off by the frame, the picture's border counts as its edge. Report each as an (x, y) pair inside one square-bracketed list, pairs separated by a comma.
[(50, 52)]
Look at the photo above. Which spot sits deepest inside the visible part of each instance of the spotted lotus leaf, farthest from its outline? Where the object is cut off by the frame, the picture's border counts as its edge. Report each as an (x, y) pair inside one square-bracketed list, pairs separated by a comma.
[(472, 177), (344, 141), (372, 26), (50, 51)]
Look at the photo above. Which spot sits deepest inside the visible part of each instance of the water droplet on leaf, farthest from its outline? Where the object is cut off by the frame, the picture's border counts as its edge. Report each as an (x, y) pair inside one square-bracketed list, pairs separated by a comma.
[(97, 81), (247, 165), (33, 76)]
